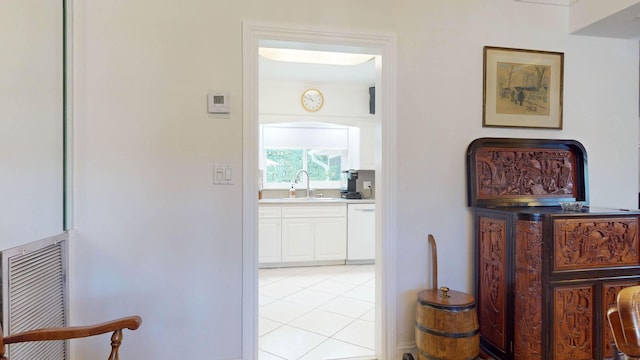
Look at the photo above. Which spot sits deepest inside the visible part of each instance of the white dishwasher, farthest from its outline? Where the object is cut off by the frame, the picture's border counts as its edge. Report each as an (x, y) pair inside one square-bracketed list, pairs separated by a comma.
[(361, 233)]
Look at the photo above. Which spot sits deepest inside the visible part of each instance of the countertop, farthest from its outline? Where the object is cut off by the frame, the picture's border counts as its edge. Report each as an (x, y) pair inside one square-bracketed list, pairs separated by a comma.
[(586, 210), (313, 201)]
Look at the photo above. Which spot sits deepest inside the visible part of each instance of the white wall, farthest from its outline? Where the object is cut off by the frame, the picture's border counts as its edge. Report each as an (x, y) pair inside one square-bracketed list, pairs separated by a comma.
[(156, 238), (345, 104), (31, 121)]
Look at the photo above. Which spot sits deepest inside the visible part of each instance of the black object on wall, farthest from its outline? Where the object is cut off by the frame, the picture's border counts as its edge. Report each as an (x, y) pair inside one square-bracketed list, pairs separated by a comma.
[(372, 100)]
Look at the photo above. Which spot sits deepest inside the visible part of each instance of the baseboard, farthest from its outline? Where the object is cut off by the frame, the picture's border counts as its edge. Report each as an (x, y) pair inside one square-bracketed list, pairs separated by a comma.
[(301, 263), (361, 262), (407, 347)]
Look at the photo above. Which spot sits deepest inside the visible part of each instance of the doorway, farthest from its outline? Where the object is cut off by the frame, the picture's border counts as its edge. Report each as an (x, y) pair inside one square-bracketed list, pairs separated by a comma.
[(383, 47)]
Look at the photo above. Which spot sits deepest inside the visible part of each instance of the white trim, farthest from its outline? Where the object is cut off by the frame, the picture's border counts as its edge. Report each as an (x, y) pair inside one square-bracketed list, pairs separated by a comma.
[(69, 126), (250, 189), (384, 45)]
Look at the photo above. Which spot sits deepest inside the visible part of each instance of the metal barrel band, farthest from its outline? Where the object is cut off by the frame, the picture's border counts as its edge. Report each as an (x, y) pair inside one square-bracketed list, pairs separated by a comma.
[(447, 334), (448, 308)]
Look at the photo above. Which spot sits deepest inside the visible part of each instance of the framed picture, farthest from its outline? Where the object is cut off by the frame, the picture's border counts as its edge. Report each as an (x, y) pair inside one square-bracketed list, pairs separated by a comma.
[(522, 88)]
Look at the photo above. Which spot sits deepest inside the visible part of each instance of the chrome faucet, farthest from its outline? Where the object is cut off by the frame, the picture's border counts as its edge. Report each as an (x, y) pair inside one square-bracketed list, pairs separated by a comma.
[(297, 179)]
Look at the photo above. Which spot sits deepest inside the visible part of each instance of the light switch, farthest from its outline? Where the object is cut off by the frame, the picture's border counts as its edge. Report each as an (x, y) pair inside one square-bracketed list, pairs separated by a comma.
[(222, 174)]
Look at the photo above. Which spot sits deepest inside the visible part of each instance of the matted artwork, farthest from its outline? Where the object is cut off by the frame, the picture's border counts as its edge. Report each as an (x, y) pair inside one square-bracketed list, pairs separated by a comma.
[(522, 88)]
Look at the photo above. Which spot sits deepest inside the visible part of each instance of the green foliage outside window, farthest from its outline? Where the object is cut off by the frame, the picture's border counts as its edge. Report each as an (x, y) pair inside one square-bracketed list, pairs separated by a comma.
[(282, 164), (323, 167)]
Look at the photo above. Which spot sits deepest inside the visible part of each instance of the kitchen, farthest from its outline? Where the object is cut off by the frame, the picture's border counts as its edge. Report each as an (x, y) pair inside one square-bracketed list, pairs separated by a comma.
[(317, 214)]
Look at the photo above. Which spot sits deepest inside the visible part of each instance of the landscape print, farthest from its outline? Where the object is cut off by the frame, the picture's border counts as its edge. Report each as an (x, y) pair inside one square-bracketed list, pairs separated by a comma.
[(522, 89)]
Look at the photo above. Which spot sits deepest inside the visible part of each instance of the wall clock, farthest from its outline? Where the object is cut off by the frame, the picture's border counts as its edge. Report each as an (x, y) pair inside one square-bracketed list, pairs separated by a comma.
[(312, 99)]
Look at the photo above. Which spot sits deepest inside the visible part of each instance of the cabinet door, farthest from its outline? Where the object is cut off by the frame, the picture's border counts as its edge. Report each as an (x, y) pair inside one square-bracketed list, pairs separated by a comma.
[(297, 239), (269, 240), (331, 238), (574, 316), (361, 233)]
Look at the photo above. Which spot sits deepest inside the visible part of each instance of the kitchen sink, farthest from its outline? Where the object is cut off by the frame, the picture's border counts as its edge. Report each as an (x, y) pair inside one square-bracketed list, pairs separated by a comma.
[(304, 199)]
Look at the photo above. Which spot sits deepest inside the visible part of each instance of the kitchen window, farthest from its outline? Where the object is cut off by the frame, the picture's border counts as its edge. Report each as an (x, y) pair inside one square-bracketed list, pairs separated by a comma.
[(322, 150)]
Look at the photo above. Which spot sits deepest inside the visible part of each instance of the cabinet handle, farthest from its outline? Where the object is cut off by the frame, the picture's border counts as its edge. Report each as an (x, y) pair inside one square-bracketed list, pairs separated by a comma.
[(365, 210)]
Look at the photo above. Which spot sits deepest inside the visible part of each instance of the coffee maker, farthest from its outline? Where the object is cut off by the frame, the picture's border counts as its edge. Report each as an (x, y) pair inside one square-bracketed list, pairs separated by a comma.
[(352, 183)]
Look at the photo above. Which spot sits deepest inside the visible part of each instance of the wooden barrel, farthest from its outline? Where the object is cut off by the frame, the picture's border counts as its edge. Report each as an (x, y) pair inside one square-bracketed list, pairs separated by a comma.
[(447, 327)]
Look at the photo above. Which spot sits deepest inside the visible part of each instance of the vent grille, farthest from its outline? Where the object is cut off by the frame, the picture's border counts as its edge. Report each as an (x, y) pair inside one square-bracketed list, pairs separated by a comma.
[(34, 295)]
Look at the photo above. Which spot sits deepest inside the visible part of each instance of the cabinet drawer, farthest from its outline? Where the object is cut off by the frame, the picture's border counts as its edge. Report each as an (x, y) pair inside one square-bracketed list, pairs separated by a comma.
[(269, 212), (314, 211), (588, 243)]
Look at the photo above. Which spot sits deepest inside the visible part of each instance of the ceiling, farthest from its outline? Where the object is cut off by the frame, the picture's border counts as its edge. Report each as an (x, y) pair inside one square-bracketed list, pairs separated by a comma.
[(550, 2), (624, 24), (317, 73)]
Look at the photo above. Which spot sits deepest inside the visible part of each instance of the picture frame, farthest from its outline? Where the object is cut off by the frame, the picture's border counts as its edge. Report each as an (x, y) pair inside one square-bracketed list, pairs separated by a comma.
[(522, 88)]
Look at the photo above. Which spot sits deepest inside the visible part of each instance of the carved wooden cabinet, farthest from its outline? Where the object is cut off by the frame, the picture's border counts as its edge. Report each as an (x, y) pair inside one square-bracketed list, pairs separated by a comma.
[(545, 277)]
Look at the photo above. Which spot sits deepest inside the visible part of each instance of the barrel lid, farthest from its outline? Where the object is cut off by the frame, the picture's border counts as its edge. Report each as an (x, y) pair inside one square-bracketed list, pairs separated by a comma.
[(455, 299)]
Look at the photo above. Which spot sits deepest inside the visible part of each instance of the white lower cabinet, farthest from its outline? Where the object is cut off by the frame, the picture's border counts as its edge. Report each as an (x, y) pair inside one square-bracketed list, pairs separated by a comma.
[(314, 233), (269, 234), (298, 240), (308, 234), (270, 241), (330, 238), (362, 232)]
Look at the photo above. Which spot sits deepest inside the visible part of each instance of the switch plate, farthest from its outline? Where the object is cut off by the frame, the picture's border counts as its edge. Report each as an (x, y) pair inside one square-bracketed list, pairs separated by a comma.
[(222, 174), (218, 102)]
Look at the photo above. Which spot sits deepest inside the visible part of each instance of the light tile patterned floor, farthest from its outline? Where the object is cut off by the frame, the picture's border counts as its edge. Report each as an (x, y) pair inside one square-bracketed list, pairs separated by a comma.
[(317, 313)]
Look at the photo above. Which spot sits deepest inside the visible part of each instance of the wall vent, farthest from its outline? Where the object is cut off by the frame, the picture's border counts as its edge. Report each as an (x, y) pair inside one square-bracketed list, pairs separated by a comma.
[(34, 291)]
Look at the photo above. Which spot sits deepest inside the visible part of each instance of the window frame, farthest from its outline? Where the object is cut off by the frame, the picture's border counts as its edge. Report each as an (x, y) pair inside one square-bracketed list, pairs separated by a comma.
[(348, 151)]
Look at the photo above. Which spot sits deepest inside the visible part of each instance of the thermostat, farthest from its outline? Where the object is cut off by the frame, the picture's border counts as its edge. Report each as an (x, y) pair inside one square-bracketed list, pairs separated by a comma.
[(218, 102)]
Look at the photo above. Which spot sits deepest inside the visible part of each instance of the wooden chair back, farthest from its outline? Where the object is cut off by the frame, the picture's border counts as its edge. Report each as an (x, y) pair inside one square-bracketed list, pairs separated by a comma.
[(66, 333), (624, 320)]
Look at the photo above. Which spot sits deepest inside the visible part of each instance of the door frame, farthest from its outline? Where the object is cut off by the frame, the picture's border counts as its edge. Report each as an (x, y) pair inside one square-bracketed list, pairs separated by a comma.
[(384, 45)]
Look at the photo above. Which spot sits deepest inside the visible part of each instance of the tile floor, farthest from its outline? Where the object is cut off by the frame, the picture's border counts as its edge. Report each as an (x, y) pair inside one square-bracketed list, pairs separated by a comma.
[(317, 313)]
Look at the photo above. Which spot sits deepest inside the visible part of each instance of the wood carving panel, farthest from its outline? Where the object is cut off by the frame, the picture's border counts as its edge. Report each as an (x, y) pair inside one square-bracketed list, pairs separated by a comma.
[(528, 292), (525, 172), (573, 321), (609, 296), (592, 242), (492, 272)]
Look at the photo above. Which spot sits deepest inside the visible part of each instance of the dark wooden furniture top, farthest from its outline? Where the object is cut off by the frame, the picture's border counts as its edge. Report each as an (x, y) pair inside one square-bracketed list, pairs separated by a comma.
[(525, 172), (545, 277), (66, 333)]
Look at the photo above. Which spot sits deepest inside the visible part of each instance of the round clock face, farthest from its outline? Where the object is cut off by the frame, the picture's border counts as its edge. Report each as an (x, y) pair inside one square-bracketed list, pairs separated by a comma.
[(312, 100)]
